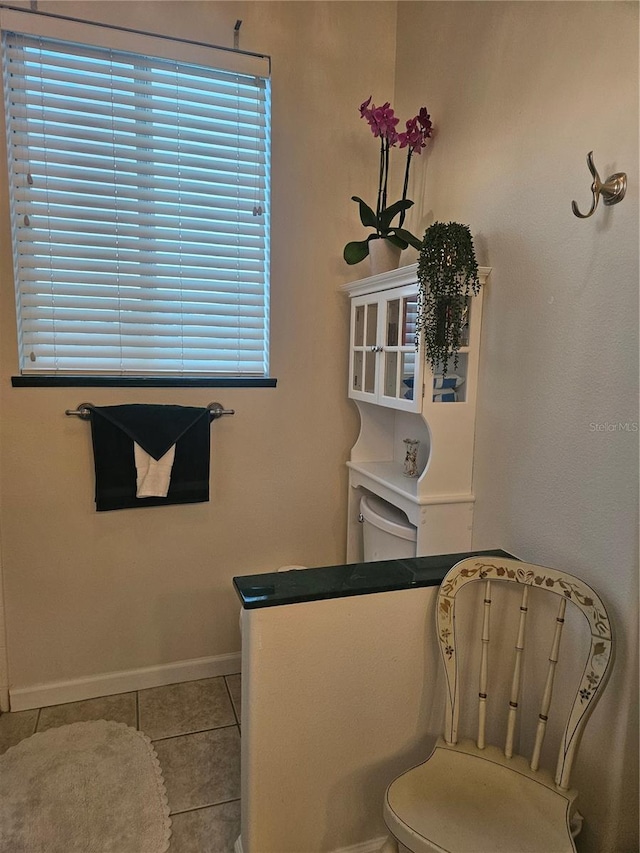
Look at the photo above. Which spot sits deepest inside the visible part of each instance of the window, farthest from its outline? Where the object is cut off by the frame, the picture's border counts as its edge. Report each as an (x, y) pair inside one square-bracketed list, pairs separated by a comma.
[(140, 202)]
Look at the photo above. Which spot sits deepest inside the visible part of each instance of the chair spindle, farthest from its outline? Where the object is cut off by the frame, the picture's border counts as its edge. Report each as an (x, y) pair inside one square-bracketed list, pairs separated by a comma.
[(517, 675), (543, 716), (484, 668)]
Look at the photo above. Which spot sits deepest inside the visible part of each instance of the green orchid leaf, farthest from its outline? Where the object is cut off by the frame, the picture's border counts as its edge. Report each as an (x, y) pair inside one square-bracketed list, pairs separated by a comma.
[(367, 216), (409, 238), (397, 241), (356, 251), (388, 213)]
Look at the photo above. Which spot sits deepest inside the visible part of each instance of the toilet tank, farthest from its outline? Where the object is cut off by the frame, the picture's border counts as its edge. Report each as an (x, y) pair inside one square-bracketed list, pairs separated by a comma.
[(387, 532)]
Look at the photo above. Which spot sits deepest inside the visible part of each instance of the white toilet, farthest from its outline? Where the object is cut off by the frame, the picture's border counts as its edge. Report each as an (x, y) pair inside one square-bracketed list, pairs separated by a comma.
[(387, 532)]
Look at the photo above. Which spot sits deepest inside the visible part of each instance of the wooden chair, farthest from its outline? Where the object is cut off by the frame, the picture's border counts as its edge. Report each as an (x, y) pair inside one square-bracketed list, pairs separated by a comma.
[(470, 797)]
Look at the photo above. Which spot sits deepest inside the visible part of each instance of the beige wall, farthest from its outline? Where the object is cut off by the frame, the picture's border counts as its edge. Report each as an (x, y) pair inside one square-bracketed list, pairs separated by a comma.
[(519, 93), (94, 593)]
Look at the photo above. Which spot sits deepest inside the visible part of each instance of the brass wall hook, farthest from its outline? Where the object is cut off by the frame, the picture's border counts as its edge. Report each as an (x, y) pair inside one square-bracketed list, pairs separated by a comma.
[(612, 191)]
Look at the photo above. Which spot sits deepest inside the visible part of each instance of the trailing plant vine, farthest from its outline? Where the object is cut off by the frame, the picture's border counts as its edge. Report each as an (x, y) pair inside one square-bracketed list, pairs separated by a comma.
[(447, 275)]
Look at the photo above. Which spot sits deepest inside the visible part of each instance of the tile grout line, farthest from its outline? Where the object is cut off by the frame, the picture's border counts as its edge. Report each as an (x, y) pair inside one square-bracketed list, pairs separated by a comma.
[(196, 732), (208, 806), (233, 706)]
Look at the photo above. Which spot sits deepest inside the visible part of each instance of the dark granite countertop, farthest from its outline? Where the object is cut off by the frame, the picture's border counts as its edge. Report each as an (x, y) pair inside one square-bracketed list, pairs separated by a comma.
[(292, 587)]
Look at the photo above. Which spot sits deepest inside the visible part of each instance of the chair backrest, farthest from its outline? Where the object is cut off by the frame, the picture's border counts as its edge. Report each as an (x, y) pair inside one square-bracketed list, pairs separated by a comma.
[(568, 589)]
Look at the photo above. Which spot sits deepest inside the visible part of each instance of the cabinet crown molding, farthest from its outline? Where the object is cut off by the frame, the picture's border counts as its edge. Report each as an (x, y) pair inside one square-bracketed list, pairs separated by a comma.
[(394, 278)]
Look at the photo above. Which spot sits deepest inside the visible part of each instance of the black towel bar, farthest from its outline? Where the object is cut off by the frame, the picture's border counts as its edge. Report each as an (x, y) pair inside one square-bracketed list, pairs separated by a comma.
[(216, 410)]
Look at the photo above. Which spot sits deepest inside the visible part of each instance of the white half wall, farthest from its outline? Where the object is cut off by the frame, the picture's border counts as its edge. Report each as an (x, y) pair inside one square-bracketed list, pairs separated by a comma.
[(338, 698)]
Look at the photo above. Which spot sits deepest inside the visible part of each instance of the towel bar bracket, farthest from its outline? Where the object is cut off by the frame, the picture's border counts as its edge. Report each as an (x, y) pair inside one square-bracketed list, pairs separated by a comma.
[(83, 411), (217, 410)]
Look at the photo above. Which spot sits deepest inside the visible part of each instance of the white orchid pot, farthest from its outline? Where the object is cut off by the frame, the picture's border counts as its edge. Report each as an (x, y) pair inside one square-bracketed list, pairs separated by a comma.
[(383, 256)]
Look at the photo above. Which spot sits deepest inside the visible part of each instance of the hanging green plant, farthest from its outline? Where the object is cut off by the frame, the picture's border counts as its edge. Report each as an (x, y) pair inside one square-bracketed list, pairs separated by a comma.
[(447, 275)]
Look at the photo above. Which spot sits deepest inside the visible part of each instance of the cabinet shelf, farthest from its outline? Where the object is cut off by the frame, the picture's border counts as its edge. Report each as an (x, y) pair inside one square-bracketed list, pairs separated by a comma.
[(389, 475)]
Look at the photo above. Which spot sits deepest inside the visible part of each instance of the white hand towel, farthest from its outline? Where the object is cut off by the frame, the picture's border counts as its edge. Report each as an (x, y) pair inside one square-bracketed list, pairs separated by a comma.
[(153, 475)]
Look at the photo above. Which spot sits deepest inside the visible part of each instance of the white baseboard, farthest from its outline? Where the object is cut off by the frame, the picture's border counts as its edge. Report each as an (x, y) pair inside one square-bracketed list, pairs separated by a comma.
[(109, 683), (372, 846)]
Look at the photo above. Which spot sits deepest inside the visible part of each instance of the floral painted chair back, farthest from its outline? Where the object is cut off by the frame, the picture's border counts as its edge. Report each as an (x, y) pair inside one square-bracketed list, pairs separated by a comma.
[(570, 591)]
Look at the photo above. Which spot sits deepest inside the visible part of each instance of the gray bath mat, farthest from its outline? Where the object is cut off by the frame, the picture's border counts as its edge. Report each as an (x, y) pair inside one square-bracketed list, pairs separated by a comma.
[(92, 787)]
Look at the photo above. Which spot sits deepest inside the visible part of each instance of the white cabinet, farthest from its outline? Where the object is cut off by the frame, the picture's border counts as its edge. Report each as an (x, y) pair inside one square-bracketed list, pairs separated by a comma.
[(398, 397)]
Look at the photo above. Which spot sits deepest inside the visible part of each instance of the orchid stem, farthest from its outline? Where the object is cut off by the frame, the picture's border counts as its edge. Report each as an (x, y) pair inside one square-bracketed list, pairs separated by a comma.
[(386, 175), (380, 182), (406, 186)]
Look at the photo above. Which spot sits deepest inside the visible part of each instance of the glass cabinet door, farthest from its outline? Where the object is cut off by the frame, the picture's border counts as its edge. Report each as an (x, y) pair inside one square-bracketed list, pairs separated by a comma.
[(408, 344), (392, 327), (400, 387), (364, 366), (371, 349)]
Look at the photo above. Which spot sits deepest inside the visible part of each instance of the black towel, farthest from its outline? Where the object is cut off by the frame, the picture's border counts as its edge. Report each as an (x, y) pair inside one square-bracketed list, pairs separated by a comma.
[(155, 429)]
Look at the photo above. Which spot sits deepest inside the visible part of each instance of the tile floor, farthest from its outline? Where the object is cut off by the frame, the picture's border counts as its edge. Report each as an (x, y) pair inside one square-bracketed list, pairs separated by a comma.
[(195, 731)]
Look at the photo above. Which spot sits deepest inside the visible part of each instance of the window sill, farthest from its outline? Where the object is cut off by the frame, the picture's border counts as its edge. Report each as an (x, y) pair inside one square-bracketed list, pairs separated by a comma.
[(142, 382)]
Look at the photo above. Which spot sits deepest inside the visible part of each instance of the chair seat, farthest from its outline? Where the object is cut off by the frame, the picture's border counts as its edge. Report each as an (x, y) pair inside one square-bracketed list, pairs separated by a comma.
[(466, 800)]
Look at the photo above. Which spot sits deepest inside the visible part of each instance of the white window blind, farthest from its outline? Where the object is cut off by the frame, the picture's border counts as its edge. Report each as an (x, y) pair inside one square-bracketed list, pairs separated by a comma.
[(140, 204)]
